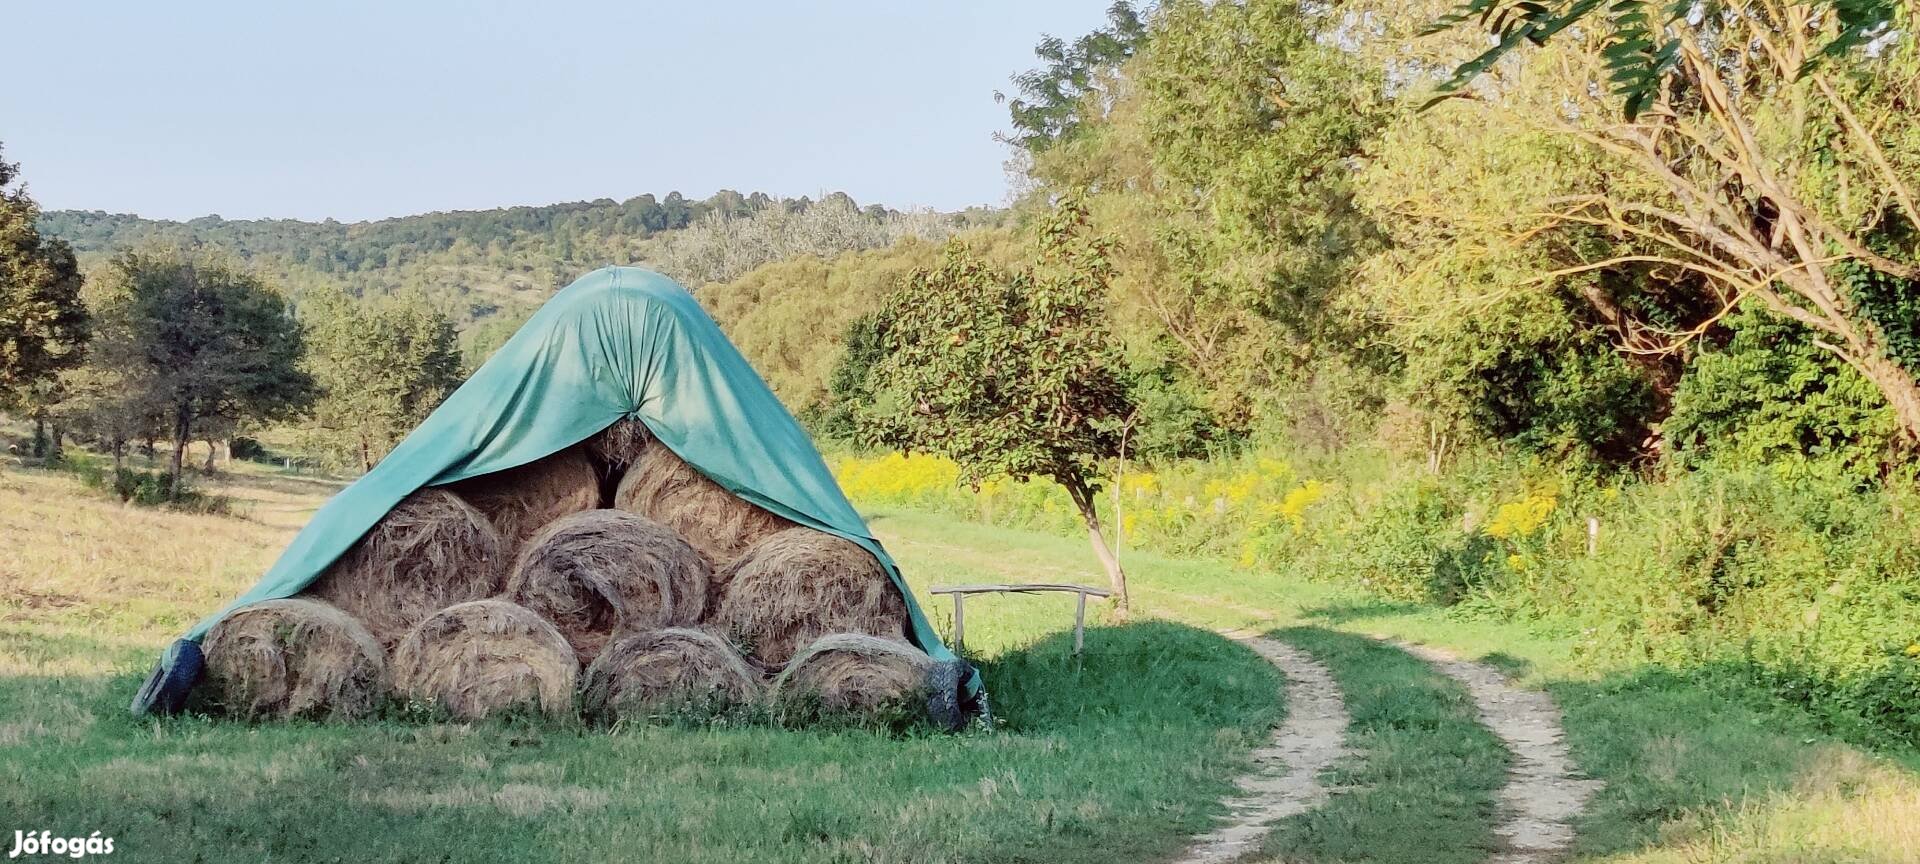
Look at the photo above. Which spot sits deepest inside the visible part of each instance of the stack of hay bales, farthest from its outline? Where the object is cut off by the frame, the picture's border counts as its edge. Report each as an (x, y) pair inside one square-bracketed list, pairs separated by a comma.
[(610, 579)]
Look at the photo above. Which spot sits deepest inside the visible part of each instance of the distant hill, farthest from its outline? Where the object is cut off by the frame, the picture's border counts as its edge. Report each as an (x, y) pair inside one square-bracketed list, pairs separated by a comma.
[(490, 268)]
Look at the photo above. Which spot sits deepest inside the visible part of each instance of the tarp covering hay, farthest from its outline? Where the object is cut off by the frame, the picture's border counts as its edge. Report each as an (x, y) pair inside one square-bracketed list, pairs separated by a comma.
[(801, 584), (664, 488), (650, 671), (619, 390), (485, 657), (428, 553), (520, 501), (294, 658), (853, 673), (600, 571)]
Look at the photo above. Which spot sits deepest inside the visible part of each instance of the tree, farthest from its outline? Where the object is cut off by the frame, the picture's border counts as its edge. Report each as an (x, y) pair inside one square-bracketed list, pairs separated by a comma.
[(43, 323), (1053, 100), (1009, 374), (213, 343), (1644, 43), (381, 365), (1754, 170)]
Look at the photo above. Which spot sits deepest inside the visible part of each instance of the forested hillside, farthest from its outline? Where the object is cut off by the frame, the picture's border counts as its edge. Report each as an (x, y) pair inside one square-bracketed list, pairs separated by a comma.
[(488, 268)]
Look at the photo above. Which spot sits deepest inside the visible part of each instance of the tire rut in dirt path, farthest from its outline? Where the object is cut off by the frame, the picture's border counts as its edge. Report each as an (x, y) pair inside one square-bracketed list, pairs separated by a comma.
[(1286, 778), (1544, 792)]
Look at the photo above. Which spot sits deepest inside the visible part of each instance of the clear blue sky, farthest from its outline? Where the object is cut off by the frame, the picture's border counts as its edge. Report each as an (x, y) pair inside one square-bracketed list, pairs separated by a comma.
[(358, 110)]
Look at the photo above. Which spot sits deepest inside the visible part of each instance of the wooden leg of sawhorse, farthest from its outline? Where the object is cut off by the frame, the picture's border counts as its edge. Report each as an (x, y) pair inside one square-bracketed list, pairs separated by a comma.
[(959, 621), (1080, 622)]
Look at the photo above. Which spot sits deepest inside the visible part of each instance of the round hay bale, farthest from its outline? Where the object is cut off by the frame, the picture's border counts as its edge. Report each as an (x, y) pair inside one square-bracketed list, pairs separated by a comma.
[(853, 673), (646, 672), (621, 444), (483, 657), (801, 584), (601, 571), (294, 658), (431, 551), (664, 488), (522, 500)]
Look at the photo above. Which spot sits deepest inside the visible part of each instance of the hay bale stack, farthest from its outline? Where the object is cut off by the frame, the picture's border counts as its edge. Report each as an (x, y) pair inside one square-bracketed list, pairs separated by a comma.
[(523, 500), (621, 444), (428, 553), (801, 584), (484, 657), (852, 673), (601, 571), (651, 671), (662, 487), (294, 658)]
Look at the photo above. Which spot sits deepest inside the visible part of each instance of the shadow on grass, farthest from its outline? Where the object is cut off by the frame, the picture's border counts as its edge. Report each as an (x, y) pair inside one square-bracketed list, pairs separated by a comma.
[(1130, 746), (1342, 613)]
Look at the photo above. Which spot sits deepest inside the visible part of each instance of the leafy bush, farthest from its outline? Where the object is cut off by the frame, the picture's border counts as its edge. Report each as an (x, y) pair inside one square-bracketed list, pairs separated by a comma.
[(1798, 580), (142, 488)]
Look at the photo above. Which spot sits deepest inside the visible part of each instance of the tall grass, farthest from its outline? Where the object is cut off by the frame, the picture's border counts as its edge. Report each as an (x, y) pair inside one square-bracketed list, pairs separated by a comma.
[(1796, 580)]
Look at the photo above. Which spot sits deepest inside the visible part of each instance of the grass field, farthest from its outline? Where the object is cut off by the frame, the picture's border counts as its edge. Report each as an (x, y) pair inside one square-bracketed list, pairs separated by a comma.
[(1118, 756)]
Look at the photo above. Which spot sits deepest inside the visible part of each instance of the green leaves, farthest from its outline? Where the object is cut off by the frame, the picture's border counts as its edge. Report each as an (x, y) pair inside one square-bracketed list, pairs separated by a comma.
[(1010, 374), (1640, 50)]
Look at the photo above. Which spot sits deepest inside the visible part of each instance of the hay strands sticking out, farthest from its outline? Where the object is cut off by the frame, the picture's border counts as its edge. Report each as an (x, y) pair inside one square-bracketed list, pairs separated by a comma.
[(662, 487), (856, 674), (431, 551), (485, 657), (653, 673), (597, 572), (294, 658), (522, 500), (801, 584)]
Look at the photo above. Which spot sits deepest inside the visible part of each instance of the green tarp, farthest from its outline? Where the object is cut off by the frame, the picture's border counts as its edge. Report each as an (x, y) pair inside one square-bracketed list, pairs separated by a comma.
[(619, 342)]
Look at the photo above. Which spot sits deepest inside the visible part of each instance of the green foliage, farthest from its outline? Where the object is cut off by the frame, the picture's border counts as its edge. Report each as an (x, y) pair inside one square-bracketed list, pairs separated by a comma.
[(1769, 396), (1053, 101), (210, 345), (1009, 374), (43, 324), (381, 366), (1639, 54)]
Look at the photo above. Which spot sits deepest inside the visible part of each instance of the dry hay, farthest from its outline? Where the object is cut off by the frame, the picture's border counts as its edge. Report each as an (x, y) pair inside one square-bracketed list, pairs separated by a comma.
[(801, 584), (431, 551), (522, 500), (667, 490), (852, 673), (601, 571), (486, 656), (621, 444), (649, 671), (294, 658)]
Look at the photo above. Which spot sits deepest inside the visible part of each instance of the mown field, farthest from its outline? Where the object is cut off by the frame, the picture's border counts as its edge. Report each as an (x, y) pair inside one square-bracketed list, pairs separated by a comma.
[(1118, 756)]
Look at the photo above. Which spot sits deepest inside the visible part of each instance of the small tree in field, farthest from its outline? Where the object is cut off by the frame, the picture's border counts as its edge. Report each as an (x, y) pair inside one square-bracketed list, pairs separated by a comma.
[(1009, 374), (382, 366), (211, 345)]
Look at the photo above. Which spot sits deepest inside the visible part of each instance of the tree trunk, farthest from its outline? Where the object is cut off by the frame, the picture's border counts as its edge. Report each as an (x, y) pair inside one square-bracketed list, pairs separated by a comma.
[(366, 455), (55, 448), (119, 455), (182, 427), (211, 450), (39, 437), (1116, 577), (1895, 383)]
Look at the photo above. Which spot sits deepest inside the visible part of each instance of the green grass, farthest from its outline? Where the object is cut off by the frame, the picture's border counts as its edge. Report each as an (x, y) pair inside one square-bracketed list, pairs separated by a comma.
[(1419, 786), (1119, 755), (1128, 747), (1699, 766)]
